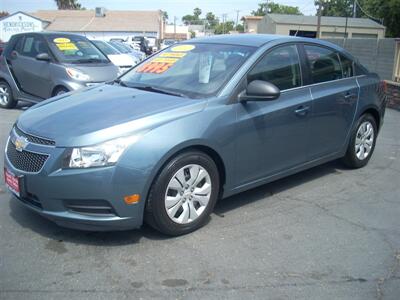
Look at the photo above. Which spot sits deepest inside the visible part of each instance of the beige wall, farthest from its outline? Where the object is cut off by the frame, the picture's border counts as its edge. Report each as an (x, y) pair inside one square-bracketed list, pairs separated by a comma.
[(251, 26), (326, 30)]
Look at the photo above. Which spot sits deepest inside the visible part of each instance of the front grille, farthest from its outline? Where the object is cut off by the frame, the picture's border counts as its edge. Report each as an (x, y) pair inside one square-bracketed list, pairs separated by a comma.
[(25, 160), (34, 139)]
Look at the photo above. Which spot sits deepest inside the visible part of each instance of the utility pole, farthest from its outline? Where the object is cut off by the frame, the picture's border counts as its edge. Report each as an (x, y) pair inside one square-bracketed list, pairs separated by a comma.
[(319, 19), (175, 28), (237, 18), (355, 9), (223, 23)]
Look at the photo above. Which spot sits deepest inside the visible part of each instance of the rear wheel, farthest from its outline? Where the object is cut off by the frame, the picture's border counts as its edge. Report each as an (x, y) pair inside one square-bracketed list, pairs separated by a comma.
[(362, 142), (184, 194), (6, 97)]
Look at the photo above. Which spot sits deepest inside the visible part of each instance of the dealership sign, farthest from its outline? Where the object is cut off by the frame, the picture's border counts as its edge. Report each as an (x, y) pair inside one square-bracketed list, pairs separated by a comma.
[(18, 23)]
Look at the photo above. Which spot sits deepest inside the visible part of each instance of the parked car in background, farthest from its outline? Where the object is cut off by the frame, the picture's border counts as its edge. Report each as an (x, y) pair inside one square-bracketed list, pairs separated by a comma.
[(123, 61), (167, 42), (126, 49), (37, 66), (153, 43), (140, 43), (205, 119)]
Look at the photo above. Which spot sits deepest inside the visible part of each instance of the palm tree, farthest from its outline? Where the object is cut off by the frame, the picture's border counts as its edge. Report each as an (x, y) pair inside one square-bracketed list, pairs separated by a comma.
[(68, 4)]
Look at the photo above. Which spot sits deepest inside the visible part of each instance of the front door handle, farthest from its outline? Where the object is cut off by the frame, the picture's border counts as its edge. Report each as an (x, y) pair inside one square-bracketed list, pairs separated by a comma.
[(302, 110)]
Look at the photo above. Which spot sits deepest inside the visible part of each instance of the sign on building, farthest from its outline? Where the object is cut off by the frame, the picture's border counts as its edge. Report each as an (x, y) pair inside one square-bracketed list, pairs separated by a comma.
[(17, 23)]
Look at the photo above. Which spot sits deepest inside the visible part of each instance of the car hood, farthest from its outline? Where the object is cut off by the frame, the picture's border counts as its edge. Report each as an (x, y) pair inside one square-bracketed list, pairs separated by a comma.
[(94, 115), (121, 60), (98, 72)]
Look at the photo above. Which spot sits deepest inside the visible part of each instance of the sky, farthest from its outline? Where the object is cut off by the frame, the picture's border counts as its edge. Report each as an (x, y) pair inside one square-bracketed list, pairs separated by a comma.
[(176, 8)]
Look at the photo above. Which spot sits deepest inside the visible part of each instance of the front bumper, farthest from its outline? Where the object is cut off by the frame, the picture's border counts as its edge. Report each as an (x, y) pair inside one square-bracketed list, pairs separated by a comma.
[(86, 199)]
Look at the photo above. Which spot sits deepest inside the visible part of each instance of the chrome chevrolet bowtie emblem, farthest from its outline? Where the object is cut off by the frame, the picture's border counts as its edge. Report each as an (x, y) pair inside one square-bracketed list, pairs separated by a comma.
[(21, 143)]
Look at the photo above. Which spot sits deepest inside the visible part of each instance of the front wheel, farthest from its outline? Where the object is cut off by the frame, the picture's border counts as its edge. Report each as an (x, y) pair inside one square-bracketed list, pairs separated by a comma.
[(6, 97), (362, 142), (184, 194)]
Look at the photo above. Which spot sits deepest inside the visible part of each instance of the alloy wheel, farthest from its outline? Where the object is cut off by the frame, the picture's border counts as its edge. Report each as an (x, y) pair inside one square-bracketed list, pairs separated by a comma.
[(188, 194), (4, 94), (364, 140)]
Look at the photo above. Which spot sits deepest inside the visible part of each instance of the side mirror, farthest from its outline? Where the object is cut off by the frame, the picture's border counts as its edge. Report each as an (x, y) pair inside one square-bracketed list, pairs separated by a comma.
[(43, 56), (259, 90)]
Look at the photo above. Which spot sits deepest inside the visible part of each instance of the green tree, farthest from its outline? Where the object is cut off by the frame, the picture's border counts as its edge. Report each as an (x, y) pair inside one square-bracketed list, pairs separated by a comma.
[(275, 8), (387, 10), (336, 8), (68, 4), (224, 27), (193, 19), (165, 15), (197, 13), (212, 21)]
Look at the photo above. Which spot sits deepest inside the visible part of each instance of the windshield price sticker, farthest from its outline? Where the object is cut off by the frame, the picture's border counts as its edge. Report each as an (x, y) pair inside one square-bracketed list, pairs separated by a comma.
[(61, 40), (66, 46), (172, 54), (155, 67), (183, 48)]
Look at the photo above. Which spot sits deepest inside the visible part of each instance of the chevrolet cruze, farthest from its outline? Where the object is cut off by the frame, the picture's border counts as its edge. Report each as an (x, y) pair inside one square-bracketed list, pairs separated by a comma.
[(196, 122)]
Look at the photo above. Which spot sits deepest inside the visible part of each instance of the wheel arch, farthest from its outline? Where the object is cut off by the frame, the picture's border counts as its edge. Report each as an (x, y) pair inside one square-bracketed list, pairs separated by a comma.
[(56, 88), (372, 110), (207, 149)]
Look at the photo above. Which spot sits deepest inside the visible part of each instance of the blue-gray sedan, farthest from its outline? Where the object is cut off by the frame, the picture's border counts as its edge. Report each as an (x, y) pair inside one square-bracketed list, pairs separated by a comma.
[(196, 122)]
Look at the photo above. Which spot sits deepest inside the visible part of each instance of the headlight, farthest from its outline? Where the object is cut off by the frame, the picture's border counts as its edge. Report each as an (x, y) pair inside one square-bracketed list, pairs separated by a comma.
[(104, 154), (77, 75)]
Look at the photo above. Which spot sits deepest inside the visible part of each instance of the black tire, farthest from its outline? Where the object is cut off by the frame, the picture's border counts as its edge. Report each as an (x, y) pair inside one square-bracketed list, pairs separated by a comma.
[(155, 212), (351, 160), (59, 91), (10, 101)]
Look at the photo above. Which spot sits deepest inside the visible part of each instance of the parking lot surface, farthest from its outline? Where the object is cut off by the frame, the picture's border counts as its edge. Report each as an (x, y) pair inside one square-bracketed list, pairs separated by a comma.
[(326, 233)]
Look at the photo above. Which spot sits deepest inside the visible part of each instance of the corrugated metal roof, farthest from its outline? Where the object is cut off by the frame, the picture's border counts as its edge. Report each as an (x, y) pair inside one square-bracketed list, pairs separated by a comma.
[(114, 20), (325, 21)]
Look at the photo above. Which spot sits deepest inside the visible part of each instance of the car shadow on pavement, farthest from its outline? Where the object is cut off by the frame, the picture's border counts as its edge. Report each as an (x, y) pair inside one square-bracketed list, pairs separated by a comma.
[(32, 221), (275, 187)]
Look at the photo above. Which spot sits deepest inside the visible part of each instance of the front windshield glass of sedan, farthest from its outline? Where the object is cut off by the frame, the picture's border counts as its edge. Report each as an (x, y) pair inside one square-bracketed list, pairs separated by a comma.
[(120, 47), (195, 70), (75, 49), (106, 48)]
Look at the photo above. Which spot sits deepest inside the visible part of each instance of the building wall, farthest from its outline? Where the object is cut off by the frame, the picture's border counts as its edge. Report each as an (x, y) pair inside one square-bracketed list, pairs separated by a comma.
[(377, 55), (329, 31), (251, 26), (18, 23), (266, 25)]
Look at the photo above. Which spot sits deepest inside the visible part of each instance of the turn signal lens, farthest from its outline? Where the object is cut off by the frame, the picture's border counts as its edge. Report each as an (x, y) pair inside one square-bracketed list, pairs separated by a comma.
[(132, 199)]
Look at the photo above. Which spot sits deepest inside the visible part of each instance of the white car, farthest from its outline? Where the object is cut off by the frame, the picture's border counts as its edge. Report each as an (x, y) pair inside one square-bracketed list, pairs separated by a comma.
[(123, 61)]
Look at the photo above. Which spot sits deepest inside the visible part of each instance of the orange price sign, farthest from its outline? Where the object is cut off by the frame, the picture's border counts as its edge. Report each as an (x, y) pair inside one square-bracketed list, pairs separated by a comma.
[(155, 67)]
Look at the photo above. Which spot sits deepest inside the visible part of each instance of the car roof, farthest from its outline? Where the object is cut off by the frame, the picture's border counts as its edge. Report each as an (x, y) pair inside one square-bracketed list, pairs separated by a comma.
[(49, 33), (257, 40)]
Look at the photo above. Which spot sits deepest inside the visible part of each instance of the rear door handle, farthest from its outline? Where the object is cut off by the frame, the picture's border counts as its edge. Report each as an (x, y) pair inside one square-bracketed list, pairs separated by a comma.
[(302, 110)]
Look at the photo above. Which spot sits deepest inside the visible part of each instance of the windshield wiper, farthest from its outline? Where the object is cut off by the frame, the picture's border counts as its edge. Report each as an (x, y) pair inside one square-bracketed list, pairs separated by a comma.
[(88, 60), (150, 88), (120, 82)]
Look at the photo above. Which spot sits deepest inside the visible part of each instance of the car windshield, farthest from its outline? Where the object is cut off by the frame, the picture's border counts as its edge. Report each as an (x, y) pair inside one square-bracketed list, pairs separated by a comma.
[(120, 47), (106, 48), (75, 49), (194, 70)]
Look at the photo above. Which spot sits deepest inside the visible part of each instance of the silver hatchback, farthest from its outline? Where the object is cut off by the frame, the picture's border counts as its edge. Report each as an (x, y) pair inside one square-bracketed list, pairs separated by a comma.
[(37, 66)]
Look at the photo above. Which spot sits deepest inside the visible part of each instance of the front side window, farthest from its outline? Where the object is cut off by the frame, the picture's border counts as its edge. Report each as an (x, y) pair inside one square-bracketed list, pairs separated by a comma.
[(281, 67), (324, 64), (75, 49), (33, 46), (195, 70), (105, 48)]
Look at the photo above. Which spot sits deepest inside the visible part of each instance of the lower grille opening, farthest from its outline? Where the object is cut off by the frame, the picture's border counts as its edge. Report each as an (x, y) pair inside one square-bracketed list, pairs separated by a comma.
[(99, 208), (31, 199)]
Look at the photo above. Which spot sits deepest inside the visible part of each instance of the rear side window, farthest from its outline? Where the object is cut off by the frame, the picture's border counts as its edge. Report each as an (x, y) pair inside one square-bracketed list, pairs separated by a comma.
[(281, 66), (324, 64), (347, 66)]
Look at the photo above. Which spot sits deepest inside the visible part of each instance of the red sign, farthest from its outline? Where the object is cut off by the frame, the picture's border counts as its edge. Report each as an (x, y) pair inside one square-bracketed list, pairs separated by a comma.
[(12, 181)]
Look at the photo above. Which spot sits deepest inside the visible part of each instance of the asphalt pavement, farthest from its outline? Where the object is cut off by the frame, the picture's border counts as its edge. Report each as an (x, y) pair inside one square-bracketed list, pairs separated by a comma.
[(326, 233)]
